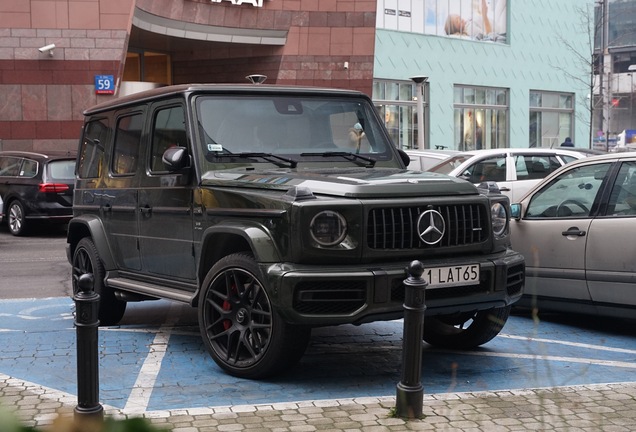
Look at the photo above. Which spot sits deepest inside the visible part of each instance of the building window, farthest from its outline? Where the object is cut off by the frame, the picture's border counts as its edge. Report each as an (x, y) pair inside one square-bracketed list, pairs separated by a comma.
[(481, 117), (148, 66), (551, 118), (397, 104)]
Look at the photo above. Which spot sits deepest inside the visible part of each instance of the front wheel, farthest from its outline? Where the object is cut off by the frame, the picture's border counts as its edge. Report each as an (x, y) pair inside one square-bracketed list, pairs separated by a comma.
[(244, 335), (465, 331), (86, 260)]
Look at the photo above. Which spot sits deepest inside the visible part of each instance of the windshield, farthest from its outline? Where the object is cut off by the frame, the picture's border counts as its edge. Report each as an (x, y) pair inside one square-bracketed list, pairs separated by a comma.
[(448, 165), (301, 128)]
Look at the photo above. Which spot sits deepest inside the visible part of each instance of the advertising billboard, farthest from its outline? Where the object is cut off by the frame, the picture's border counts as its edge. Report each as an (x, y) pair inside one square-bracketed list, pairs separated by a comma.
[(484, 20)]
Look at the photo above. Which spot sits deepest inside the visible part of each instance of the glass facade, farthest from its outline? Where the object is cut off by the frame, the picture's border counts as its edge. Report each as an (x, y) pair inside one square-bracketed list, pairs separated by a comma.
[(480, 118), (396, 102), (551, 118)]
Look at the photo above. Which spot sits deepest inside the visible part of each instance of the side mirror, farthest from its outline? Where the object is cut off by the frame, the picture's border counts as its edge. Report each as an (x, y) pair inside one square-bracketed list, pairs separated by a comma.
[(176, 158), (406, 160), (515, 211)]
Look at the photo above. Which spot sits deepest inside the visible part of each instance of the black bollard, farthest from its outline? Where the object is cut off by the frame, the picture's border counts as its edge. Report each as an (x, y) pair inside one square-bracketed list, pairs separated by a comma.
[(410, 392), (86, 323)]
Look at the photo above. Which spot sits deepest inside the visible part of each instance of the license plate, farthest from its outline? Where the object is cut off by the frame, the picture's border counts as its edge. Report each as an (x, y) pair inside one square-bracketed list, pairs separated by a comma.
[(438, 277)]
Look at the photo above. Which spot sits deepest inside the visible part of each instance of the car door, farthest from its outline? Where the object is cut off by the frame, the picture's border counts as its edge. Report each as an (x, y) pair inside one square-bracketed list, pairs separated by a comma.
[(165, 201), (529, 169), (553, 232), (119, 196), (611, 244), (489, 169)]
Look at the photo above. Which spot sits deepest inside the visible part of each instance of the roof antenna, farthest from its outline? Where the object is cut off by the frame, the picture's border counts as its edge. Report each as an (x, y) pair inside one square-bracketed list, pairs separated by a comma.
[(256, 79)]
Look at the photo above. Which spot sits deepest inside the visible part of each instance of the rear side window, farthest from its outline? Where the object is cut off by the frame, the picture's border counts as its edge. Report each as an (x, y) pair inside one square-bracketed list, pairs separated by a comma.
[(29, 168), (91, 160), (127, 143), (10, 166)]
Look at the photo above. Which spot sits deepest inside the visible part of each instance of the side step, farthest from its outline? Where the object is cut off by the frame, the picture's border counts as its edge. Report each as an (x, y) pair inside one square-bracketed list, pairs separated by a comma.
[(151, 290)]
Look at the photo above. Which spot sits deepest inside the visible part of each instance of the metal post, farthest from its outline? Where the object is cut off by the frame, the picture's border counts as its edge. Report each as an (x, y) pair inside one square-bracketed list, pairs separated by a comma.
[(86, 323), (410, 392), (419, 109)]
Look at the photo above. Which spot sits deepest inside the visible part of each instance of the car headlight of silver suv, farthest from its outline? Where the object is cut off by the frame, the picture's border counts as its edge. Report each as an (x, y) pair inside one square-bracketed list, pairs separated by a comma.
[(499, 218), (328, 228)]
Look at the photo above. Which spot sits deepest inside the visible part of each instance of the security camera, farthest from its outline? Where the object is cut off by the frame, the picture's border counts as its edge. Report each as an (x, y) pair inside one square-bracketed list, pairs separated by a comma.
[(47, 48)]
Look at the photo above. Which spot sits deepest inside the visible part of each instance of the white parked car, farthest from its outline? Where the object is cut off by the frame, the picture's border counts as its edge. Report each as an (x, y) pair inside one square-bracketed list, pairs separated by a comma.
[(423, 160), (515, 170)]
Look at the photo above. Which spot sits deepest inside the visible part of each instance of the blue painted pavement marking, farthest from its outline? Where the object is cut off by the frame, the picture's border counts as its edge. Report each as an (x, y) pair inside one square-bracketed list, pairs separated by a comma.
[(155, 360)]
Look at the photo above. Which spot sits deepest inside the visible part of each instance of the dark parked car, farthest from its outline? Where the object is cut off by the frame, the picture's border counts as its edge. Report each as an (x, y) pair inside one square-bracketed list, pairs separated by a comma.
[(278, 209), (36, 188)]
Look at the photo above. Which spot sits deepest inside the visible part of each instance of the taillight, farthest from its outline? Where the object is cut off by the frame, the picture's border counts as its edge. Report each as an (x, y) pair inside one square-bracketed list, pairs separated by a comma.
[(53, 187)]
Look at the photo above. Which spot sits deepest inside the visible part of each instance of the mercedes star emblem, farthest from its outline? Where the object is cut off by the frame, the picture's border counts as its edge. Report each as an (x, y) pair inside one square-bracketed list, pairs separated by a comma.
[(431, 227)]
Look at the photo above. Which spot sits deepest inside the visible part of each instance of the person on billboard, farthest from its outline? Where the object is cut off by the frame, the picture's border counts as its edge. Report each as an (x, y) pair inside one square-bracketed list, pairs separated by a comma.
[(480, 26)]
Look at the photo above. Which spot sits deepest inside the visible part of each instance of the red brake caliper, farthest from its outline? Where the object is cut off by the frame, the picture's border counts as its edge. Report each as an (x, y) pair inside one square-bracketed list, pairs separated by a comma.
[(226, 307)]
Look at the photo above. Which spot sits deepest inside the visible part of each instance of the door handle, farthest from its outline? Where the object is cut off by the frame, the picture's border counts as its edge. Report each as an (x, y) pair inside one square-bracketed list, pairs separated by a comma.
[(504, 189), (146, 210), (107, 208), (574, 231)]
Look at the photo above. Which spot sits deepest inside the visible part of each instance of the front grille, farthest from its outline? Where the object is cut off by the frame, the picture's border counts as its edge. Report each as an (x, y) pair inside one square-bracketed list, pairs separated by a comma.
[(330, 297), (396, 228)]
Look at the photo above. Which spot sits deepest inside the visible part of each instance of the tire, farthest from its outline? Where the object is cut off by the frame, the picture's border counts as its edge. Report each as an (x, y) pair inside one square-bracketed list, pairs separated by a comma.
[(16, 219), (465, 331), (240, 329), (86, 260)]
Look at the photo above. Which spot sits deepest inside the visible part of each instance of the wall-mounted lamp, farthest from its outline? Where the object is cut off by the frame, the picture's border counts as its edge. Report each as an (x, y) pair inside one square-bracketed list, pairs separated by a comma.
[(419, 81), (47, 48)]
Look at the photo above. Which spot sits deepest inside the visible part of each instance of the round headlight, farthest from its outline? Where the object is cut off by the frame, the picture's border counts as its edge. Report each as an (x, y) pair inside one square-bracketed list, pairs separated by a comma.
[(328, 228), (499, 217)]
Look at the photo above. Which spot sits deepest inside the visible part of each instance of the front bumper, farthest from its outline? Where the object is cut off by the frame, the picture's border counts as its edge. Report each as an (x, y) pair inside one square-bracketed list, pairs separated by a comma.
[(332, 295)]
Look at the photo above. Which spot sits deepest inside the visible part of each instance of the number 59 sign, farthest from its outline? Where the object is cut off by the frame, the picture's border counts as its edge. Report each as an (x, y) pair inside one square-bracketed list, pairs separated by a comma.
[(104, 84)]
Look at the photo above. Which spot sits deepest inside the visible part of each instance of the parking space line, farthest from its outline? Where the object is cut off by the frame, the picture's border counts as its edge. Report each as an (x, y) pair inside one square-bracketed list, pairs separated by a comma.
[(595, 362), (139, 397), (573, 344)]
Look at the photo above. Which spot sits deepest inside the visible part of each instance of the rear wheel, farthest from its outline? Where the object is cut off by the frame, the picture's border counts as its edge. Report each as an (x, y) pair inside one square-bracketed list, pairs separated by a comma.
[(86, 260), (465, 331), (244, 335), (16, 219)]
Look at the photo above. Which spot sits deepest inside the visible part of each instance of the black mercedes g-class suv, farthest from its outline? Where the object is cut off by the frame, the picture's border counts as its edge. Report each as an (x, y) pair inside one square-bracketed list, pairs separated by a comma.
[(277, 209)]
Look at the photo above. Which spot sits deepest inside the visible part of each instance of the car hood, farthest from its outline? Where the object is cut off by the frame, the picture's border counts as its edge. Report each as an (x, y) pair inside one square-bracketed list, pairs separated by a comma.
[(354, 182)]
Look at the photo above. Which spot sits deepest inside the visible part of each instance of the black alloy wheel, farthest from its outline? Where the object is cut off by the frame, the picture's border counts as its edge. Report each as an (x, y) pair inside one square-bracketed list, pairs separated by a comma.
[(465, 330), (86, 260), (239, 327)]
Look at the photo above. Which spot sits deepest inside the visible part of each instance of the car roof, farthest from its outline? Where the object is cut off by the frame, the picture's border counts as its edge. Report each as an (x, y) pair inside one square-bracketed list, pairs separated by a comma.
[(40, 156), (185, 89), (516, 150)]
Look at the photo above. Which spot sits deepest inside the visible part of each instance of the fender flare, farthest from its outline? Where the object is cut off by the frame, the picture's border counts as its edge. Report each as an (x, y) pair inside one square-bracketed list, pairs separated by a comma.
[(89, 226), (255, 235)]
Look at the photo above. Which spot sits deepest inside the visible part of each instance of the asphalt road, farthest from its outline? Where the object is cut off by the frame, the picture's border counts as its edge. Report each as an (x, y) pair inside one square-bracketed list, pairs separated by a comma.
[(34, 266)]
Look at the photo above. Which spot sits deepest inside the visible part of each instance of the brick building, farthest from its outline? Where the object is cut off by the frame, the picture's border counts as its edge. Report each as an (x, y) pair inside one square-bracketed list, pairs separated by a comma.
[(44, 91)]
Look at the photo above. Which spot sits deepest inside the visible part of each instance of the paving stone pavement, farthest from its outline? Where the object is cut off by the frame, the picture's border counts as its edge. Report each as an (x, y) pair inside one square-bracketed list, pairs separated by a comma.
[(598, 407)]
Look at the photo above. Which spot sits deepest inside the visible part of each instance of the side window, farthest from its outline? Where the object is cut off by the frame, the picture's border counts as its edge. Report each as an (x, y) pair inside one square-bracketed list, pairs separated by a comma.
[(29, 168), (127, 144), (622, 200), (490, 169), (572, 194), (10, 166), (168, 130), (91, 157), (532, 167)]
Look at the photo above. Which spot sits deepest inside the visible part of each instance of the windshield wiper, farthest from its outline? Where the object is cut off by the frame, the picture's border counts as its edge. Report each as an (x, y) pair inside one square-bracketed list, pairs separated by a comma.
[(368, 162), (276, 159)]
